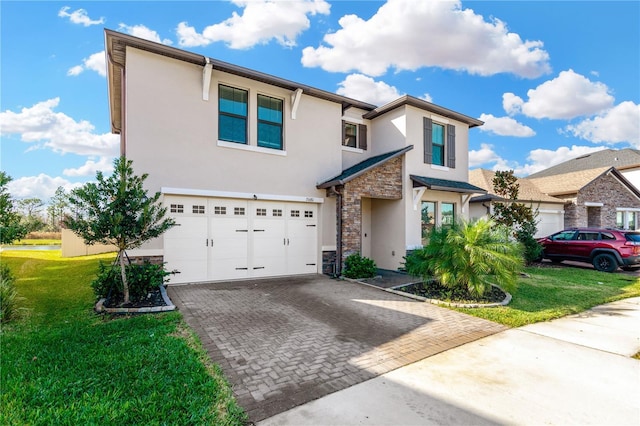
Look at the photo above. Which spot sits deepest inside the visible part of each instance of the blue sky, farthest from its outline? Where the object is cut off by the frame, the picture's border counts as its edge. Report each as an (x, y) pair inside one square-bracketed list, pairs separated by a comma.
[(551, 79)]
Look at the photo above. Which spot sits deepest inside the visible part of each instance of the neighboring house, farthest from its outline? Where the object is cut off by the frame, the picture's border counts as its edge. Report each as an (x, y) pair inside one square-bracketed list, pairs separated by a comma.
[(600, 197), (269, 177), (550, 210), (627, 161)]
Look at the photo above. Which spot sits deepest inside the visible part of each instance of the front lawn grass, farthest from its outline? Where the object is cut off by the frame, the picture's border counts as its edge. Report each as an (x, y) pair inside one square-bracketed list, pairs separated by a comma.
[(553, 292), (63, 364)]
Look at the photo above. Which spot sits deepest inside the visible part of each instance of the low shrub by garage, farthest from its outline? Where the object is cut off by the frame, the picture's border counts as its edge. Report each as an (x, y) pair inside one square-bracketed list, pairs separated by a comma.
[(356, 266)]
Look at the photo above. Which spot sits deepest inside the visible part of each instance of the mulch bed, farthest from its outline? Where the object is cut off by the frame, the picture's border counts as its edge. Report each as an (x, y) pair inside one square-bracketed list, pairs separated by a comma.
[(153, 298), (432, 290)]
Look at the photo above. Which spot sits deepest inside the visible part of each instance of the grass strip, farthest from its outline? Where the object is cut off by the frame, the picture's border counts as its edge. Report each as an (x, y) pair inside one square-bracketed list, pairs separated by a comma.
[(63, 364), (553, 292)]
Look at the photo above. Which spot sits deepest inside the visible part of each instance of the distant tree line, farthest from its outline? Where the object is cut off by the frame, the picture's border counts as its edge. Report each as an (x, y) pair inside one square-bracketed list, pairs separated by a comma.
[(21, 217)]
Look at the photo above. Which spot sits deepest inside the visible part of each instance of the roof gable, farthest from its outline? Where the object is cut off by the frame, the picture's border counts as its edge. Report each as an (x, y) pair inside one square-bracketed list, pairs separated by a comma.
[(362, 167)]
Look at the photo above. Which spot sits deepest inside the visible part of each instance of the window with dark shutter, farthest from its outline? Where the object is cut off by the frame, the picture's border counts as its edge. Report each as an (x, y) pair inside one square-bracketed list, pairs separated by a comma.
[(451, 146), (428, 149), (362, 137), (349, 134)]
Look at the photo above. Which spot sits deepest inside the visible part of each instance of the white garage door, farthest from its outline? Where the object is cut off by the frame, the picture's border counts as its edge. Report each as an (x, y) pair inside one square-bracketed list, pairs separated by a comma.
[(549, 222), (222, 239)]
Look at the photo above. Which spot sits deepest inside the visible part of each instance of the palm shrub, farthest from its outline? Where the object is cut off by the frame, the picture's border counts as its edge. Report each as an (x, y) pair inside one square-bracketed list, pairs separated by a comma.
[(469, 256)]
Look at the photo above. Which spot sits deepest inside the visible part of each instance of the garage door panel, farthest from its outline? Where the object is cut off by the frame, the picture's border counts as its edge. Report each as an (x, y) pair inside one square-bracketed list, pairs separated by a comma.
[(220, 239)]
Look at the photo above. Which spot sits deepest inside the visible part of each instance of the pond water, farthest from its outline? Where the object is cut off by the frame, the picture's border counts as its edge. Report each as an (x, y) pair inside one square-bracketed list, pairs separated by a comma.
[(52, 247)]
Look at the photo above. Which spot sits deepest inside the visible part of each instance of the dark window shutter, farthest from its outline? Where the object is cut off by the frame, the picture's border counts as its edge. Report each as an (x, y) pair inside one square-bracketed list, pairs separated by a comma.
[(428, 148), (343, 134), (362, 136), (451, 146)]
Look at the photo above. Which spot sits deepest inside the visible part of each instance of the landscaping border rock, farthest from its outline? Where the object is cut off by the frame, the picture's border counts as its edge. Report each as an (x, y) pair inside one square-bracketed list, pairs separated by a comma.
[(504, 302), (100, 308)]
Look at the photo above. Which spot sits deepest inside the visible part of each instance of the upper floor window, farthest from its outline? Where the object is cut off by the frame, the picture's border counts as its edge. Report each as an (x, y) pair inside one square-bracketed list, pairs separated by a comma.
[(354, 135), (232, 114), (439, 143), (269, 122)]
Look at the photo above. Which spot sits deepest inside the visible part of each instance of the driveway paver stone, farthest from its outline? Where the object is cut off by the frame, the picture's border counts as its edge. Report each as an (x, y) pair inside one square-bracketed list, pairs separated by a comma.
[(287, 341)]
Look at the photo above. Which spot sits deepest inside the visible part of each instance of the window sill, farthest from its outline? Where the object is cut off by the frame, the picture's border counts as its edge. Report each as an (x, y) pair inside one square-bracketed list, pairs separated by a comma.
[(349, 149), (443, 168), (252, 148)]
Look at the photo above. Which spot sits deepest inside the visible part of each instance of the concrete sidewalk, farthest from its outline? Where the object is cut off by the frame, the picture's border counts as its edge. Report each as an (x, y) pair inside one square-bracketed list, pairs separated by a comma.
[(574, 370)]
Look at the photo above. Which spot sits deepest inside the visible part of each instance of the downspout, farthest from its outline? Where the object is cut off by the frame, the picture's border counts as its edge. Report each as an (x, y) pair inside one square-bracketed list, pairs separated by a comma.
[(339, 233), (331, 192), (123, 114)]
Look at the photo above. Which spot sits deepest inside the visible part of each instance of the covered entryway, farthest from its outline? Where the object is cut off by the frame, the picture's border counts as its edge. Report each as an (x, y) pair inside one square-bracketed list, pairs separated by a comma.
[(225, 238), (363, 214)]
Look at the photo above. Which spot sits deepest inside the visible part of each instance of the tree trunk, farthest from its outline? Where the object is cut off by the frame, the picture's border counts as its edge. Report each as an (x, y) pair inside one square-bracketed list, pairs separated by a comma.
[(125, 285)]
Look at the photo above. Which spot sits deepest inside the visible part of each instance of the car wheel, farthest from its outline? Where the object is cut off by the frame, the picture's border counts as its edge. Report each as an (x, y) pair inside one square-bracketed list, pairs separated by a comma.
[(605, 262), (556, 260)]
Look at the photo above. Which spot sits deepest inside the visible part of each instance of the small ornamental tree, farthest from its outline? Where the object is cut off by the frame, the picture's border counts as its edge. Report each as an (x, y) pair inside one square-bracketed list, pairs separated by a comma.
[(518, 217), (10, 227), (117, 211)]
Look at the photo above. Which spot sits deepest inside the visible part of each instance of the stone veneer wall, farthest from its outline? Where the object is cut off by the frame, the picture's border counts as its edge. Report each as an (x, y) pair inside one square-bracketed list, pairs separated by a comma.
[(606, 190), (139, 260), (384, 181), (329, 262)]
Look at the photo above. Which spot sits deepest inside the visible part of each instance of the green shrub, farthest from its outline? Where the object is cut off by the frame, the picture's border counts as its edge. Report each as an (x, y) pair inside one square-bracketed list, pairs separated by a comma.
[(532, 248), (356, 266), (470, 256), (142, 279), (8, 295)]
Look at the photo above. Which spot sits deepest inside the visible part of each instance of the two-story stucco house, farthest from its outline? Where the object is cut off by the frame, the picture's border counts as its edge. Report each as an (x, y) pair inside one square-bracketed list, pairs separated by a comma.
[(268, 177)]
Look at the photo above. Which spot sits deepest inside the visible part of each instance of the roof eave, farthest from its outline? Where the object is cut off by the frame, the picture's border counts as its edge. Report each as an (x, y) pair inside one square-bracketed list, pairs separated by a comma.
[(337, 182), (422, 104), (112, 38)]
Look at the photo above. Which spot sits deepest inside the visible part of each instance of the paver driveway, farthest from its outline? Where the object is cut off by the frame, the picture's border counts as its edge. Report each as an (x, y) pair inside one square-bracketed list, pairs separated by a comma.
[(283, 342)]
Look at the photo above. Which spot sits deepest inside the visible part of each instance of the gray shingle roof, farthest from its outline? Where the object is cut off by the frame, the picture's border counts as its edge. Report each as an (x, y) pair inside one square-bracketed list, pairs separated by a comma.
[(446, 185), (362, 167), (618, 158)]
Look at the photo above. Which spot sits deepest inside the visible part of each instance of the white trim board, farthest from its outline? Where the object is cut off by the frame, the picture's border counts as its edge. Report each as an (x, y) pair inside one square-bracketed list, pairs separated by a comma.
[(240, 195)]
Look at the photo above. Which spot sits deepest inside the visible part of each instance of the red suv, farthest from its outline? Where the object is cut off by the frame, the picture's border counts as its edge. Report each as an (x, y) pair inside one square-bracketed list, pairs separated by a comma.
[(606, 249)]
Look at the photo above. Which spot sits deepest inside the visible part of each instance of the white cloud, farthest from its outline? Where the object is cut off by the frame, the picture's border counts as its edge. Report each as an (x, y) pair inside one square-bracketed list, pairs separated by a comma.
[(96, 62), (79, 16), (57, 131), (366, 89), (538, 159), (409, 34), (260, 22), (511, 103), (505, 126), (41, 186), (142, 31), (104, 164), (567, 96), (427, 97), (484, 155), (618, 124)]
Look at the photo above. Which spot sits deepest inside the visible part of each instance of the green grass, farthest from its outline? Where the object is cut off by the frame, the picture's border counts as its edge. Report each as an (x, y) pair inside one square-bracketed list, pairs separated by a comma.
[(63, 364), (35, 242), (551, 293)]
